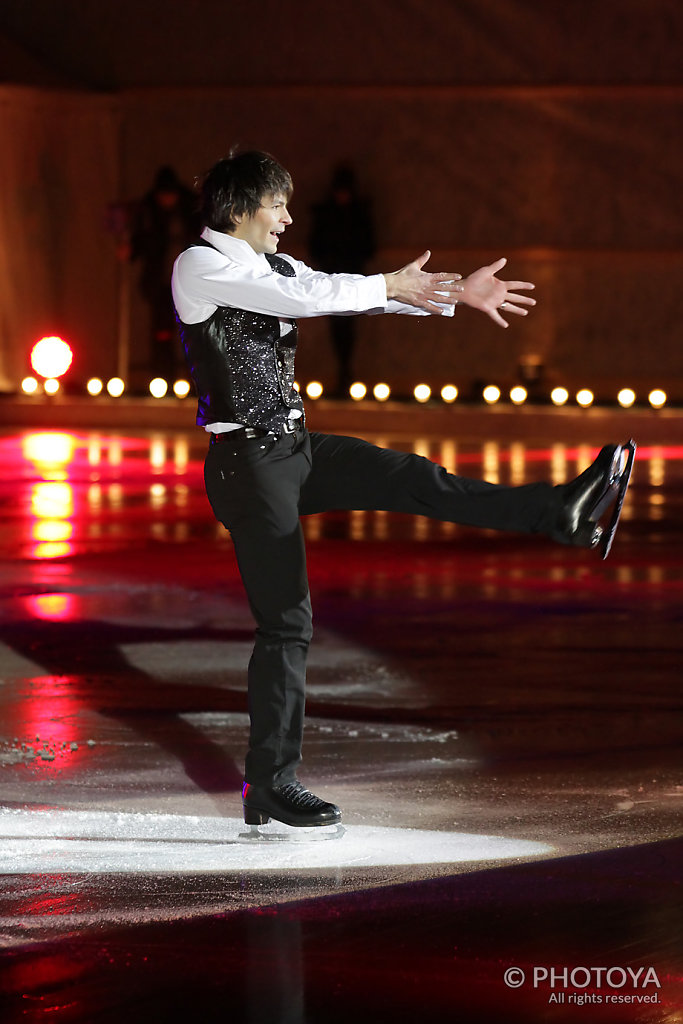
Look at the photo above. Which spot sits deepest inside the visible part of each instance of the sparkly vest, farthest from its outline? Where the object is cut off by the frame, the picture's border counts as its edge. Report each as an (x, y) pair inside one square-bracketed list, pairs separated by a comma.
[(242, 369)]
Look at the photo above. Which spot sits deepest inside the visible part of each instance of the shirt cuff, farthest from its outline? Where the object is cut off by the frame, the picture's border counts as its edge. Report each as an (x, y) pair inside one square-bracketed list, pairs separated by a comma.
[(377, 287)]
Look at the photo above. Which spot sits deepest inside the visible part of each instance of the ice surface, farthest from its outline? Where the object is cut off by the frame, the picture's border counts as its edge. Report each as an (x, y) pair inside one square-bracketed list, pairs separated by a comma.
[(363, 673), (15, 666)]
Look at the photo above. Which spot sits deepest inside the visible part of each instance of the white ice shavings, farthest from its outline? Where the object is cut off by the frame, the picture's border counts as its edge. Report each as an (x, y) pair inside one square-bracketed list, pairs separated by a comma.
[(112, 842)]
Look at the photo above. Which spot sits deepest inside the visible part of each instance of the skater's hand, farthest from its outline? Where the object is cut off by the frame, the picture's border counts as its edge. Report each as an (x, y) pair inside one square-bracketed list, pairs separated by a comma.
[(414, 286), (482, 290)]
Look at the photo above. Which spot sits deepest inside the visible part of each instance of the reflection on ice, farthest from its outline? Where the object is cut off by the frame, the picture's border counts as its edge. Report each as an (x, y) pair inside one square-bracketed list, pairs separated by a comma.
[(110, 842)]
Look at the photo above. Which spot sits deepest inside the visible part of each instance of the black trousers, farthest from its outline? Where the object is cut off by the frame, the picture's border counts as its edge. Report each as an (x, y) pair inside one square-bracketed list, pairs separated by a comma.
[(258, 489)]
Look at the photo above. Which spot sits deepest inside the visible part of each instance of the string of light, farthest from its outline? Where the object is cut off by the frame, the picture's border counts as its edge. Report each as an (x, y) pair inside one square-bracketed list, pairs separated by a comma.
[(51, 358), (159, 388)]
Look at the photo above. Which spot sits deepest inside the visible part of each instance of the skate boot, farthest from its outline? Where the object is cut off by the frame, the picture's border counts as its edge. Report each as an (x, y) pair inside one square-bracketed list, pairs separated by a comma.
[(289, 803), (586, 499)]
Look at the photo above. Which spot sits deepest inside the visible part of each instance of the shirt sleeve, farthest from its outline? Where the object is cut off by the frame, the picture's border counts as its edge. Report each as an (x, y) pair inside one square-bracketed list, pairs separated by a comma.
[(204, 279), (389, 305)]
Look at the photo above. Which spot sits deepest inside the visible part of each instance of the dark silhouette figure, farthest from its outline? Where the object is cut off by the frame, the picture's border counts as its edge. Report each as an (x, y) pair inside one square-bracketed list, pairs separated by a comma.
[(342, 240), (165, 222)]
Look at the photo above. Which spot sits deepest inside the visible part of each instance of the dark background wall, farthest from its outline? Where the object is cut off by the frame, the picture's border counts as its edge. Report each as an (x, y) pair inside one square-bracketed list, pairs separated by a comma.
[(547, 133)]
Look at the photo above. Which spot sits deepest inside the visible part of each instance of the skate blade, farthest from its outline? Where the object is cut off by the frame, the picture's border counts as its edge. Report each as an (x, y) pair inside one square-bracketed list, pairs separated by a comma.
[(629, 453), (278, 832)]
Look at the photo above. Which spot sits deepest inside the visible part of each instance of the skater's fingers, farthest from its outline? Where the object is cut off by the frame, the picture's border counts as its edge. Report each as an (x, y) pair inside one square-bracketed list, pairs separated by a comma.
[(525, 299), (509, 307), (497, 318), (526, 286)]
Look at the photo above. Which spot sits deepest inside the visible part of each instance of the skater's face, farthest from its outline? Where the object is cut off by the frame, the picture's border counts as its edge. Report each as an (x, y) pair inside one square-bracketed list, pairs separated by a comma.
[(263, 229)]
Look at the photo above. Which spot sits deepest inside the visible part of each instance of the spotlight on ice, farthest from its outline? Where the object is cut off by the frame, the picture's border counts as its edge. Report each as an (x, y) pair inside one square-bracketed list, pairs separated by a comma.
[(422, 392)]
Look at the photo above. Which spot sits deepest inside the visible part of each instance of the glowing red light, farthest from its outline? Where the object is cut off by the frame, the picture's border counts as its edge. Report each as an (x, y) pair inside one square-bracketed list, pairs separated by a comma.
[(55, 607), (51, 357)]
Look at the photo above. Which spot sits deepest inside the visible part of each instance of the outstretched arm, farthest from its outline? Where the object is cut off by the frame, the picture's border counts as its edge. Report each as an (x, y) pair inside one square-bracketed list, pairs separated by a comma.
[(414, 286), (483, 290)]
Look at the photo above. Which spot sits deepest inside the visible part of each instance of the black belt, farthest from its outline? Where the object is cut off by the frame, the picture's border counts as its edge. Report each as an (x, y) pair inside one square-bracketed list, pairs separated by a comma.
[(288, 427)]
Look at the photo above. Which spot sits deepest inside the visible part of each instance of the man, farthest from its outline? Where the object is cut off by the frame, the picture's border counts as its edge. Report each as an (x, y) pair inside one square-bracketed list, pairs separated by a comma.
[(164, 224), (238, 303), (342, 240)]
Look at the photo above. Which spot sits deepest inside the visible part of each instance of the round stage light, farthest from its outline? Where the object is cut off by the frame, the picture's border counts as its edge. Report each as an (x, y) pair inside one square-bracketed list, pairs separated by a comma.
[(381, 392), (158, 387), (422, 392), (491, 394), (449, 393), (51, 357), (626, 398), (181, 388), (657, 398), (51, 386), (29, 385), (585, 397), (94, 386), (559, 396), (115, 387), (358, 391), (314, 389), (518, 395)]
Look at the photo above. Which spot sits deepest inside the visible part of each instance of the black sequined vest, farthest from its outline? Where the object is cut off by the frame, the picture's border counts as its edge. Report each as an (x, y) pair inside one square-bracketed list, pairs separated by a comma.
[(241, 367)]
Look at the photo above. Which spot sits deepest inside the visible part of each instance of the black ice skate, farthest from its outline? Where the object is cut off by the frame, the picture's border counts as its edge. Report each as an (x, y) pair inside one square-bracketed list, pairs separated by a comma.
[(290, 804), (586, 500)]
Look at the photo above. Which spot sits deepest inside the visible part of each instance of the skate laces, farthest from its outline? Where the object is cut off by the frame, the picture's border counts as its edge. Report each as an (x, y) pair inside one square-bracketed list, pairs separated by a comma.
[(301, 797)]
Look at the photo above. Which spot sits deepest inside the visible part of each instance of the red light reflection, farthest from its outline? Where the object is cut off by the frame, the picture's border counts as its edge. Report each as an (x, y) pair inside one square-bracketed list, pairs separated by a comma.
[(52, 607), (52, 507), (50, 452), (51, 497), (46, 723)]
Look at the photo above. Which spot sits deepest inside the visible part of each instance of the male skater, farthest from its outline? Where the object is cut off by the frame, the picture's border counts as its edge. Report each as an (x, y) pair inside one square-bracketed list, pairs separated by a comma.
[(238, 304)]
